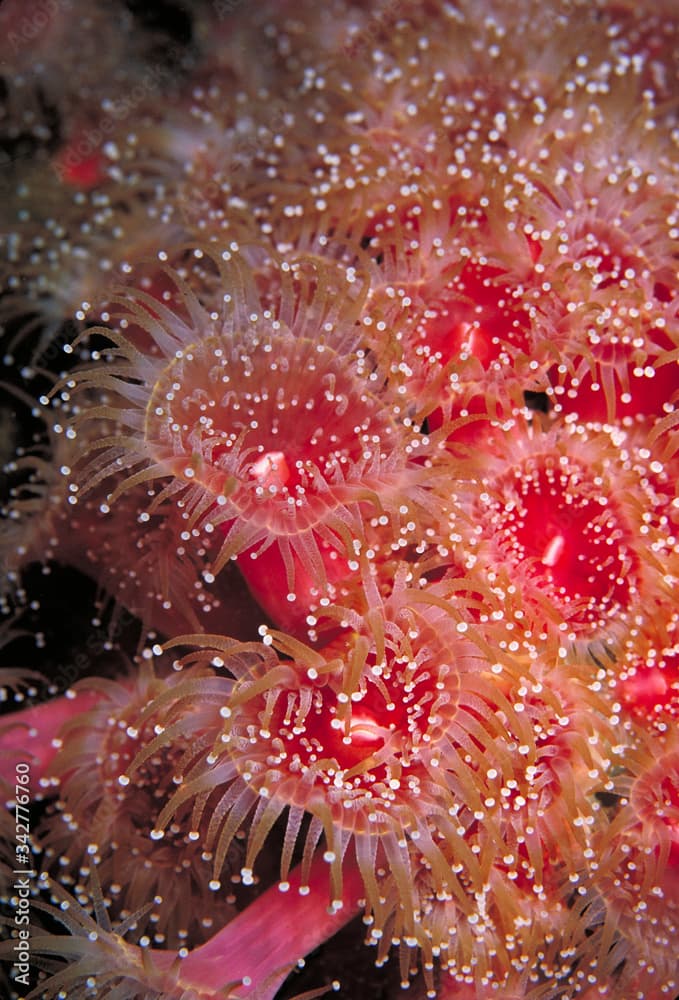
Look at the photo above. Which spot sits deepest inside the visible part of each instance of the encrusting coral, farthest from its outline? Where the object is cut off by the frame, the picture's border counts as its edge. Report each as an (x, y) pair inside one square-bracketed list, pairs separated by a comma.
[(341, 353)]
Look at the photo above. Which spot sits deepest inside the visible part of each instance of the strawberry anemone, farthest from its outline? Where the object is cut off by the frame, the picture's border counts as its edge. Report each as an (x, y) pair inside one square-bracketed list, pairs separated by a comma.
[(473, 337), (529, 834), (253, 407), (460, 338), (607, 301), (565, 512), (356, 744)]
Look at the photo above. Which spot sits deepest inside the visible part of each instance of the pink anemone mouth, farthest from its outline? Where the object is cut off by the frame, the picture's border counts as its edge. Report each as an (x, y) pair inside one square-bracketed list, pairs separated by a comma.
[(548, 517)]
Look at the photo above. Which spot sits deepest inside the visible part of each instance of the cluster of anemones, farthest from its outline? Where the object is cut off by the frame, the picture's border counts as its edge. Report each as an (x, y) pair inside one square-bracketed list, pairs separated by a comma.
[(403, 364)]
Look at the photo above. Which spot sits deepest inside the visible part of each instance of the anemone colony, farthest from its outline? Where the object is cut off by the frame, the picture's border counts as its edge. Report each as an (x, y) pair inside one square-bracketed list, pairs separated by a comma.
[(341, 352)]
